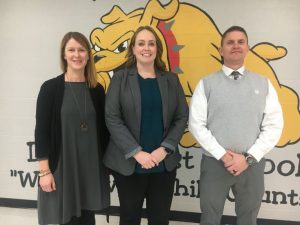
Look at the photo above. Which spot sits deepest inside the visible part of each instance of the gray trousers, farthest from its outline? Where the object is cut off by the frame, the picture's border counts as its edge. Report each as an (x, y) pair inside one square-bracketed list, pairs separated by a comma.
[(215, 184)]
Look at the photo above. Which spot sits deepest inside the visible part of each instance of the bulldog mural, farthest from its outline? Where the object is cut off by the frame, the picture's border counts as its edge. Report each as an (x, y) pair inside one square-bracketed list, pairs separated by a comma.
[(191, 41)]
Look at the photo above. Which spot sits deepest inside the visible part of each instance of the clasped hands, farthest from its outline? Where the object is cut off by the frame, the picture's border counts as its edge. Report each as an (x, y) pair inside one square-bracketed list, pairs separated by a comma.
[(235, 163), (150, 160)]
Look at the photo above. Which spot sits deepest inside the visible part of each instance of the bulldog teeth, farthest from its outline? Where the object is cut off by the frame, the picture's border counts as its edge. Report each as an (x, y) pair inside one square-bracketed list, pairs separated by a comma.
[(111, 73)]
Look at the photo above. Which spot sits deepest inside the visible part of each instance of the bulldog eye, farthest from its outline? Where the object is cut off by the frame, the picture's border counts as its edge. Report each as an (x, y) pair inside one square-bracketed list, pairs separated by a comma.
[(122, 47), (97, 48)]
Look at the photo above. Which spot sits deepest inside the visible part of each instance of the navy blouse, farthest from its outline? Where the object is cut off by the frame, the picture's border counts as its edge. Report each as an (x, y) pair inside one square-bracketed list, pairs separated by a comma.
[(151, 132)]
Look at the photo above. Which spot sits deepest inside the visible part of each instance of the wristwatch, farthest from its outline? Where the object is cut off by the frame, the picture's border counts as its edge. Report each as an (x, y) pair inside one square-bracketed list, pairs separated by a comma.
[(249, 159)]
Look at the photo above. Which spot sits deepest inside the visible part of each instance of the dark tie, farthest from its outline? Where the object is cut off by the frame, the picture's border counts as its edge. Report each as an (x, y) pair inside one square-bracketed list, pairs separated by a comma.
[(235, 74)]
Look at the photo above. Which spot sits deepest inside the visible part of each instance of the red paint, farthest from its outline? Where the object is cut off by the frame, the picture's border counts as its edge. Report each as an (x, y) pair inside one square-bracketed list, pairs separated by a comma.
[(170, 39)]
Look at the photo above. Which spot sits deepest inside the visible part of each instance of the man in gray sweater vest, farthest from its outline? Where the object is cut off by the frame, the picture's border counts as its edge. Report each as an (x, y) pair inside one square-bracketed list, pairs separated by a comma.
[(236, 117)]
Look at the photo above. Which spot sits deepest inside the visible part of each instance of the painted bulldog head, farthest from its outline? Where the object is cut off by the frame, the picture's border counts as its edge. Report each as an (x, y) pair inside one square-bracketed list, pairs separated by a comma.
[(110, 44), (190, 41)]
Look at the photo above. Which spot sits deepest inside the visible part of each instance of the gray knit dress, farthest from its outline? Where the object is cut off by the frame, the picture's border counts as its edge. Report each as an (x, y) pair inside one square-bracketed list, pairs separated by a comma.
[(77, 178)]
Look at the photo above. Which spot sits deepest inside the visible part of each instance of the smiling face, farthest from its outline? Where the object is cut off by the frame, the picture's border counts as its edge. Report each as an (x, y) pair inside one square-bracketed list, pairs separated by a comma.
[(234, 49), (145, 48), (75, 55)]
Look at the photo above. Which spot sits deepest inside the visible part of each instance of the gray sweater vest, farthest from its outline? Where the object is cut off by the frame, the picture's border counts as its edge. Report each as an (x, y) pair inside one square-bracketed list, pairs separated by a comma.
[(235, 108)]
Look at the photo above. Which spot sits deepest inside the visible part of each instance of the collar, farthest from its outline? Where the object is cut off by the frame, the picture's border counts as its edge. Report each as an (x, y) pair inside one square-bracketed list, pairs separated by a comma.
[(227, 71)]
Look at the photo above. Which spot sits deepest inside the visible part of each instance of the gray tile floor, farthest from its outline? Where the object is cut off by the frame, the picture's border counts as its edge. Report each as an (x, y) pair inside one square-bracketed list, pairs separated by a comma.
[(16, 216)]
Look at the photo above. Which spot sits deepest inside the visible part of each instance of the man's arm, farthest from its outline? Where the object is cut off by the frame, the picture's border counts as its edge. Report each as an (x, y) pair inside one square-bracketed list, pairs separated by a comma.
[(271, 127), (198, 124)]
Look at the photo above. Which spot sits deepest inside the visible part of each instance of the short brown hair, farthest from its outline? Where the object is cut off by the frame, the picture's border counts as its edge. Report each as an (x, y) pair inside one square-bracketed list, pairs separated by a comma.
[(89, 70), (231, 29), (158, 62)]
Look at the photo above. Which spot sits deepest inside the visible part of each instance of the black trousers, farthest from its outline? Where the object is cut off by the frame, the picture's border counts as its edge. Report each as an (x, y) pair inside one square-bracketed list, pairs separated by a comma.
[(156, 188), (87, 218)]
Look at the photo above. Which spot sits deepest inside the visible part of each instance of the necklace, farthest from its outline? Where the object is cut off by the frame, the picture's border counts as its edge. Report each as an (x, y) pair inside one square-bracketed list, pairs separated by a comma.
[(83, 124)]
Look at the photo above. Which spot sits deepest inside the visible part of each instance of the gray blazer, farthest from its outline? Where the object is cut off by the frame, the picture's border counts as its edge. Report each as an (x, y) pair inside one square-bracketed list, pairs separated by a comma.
[(123, 119)]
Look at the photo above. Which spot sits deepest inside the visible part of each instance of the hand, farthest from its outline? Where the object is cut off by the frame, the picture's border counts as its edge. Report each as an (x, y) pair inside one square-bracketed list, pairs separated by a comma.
[(47, 183), (227, 158), (237, 165), (146, 160), (159, 154)]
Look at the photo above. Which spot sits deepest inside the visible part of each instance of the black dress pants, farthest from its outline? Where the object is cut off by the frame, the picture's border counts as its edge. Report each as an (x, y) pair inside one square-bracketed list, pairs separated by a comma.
[(87, 218), (156, 188)]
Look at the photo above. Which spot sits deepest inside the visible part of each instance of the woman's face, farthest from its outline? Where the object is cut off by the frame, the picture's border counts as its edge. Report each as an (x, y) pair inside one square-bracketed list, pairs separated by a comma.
[(145, 48), (75, 55)]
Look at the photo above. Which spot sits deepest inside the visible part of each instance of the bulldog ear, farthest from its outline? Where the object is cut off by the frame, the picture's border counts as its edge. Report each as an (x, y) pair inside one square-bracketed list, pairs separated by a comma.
[(154, 11), (116, 14), (269, 51)]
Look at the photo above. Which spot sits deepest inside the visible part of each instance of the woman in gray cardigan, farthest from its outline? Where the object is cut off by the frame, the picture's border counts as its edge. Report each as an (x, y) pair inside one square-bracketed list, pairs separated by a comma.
[(146, 114)]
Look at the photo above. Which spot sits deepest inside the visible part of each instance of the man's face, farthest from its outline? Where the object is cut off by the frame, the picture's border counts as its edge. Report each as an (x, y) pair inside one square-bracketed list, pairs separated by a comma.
[(234, 48)]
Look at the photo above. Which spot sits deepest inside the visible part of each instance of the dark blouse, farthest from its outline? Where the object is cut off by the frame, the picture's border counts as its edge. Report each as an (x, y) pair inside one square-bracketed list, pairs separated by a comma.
[(151, 132), (48, 120)]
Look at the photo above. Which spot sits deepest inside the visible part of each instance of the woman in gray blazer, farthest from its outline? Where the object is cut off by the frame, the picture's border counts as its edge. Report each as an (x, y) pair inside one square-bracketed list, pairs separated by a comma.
[(146, 114)]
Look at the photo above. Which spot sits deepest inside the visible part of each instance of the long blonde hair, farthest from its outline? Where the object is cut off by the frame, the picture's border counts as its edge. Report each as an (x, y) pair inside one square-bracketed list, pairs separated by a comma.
[(89, 70)]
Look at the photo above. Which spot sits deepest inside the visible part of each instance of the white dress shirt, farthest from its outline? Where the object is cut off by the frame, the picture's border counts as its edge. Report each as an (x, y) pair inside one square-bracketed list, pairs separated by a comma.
[(271, 126)]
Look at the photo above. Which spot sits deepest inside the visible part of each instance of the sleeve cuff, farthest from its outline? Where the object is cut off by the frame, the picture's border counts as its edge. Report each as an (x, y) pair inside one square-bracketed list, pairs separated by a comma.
[(219, 153), (132, 153), (168, 147), (256, 154), (42, 158)]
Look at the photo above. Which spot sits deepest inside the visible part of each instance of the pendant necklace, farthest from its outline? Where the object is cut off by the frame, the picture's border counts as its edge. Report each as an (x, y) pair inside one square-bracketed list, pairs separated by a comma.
[(83, 124)]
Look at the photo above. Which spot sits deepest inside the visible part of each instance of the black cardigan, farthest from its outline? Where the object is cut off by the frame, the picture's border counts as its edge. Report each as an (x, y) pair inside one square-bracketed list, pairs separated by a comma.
[(48, 120)]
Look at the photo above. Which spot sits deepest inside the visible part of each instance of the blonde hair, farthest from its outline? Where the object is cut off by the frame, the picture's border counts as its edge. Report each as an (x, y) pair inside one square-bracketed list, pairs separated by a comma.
[(89, 70)]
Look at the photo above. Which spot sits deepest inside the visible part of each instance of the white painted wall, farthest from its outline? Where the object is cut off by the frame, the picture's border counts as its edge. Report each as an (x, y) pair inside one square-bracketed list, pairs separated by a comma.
[(30, 35)]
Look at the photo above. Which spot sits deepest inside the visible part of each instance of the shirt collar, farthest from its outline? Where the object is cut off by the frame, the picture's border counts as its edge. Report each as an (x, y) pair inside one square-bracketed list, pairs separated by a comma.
[(228, 70)]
